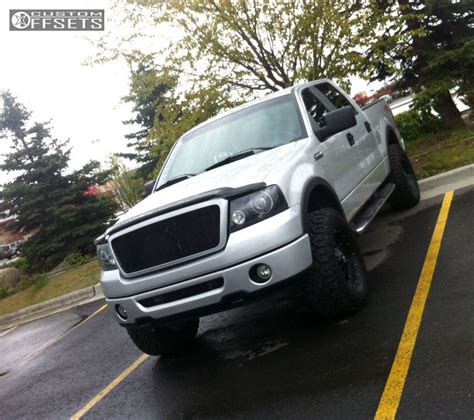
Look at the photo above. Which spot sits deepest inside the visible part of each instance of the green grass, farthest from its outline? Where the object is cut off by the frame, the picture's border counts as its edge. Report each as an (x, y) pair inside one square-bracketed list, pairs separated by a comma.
[(440, 152), (50, 287), (41, 282)]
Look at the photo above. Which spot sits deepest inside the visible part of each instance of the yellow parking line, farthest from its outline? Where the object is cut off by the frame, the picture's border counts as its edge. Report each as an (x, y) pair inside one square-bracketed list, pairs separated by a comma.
[(93, 314), (55, 340), (110, 387), (392, 393)]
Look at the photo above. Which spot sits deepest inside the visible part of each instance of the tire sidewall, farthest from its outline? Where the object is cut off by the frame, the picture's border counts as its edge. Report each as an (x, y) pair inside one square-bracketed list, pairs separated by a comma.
[(407, 192), (328, 288)]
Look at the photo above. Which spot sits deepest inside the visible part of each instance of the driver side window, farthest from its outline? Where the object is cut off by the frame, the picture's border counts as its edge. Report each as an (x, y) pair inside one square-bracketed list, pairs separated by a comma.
[(315, 109)]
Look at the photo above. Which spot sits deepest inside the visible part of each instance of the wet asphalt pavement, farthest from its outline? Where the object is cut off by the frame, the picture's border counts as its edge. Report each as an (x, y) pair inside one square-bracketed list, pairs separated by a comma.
[(273, 359)]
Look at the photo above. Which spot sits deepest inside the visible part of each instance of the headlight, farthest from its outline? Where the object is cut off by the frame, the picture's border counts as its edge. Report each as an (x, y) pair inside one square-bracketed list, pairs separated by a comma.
[(255, 207), (106, 259)]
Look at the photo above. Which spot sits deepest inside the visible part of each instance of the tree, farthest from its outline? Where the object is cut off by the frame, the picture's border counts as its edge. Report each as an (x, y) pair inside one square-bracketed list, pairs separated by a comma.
[(256, 46), (227, 52), (164, 115), (45, 198), (147, 89), (125, 183), (429, 46), (179, 115)]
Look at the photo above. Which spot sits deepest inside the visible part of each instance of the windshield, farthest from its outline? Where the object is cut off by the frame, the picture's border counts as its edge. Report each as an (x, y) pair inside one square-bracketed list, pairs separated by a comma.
[(266, 125)]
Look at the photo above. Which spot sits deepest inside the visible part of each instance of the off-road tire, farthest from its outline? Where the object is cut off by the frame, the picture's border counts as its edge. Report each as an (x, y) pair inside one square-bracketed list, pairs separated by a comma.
[(407, 192), (164, 340), (336, 286)]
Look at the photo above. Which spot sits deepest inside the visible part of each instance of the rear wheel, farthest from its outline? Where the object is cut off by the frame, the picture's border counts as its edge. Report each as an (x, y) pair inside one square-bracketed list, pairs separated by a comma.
[(407, 192), (164, 340), (337, 284)]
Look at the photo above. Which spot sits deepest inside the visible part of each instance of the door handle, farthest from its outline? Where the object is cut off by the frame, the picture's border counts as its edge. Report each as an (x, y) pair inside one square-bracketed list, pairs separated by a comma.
[(368, 126), (318, 155), (350, 139)]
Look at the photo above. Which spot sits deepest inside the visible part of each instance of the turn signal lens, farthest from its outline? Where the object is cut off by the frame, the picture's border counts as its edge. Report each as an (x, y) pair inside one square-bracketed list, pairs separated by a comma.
[(106, 259)]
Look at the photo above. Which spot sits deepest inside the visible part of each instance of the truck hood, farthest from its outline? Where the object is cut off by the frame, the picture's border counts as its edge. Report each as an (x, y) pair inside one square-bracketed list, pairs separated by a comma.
[(237, 174)]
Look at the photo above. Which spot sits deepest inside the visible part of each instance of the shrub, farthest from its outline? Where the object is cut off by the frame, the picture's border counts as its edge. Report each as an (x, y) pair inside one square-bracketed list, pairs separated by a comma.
[(5, 292), (19, 263), (13, 281), (416, 123), (11, 277), (76, 259), (35, 281), (10, 281), (38, 281)]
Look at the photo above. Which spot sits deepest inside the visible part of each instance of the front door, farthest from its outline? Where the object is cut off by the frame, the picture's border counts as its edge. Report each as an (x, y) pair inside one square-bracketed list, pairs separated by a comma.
[(337, 155)]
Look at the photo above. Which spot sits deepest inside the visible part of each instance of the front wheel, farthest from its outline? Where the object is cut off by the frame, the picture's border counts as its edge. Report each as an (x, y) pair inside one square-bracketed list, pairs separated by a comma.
[(337, 284), (164, 340), (407, 192)]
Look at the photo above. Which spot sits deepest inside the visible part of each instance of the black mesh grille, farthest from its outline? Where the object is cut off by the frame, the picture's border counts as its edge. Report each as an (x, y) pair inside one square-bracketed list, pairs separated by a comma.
[(168, 240)]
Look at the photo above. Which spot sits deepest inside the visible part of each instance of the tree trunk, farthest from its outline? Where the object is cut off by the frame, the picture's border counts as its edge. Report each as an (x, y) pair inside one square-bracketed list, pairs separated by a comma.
[(448, 111)]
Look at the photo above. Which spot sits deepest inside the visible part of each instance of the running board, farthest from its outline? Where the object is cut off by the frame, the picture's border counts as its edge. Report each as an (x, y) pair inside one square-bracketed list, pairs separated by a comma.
[(362, 220)]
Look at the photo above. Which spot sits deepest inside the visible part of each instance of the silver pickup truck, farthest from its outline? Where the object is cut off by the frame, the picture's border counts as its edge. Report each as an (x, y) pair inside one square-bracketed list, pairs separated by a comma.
[(271, 192)]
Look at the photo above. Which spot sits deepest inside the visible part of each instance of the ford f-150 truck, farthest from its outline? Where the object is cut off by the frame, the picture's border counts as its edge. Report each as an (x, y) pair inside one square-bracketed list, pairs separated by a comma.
[(264, 194)]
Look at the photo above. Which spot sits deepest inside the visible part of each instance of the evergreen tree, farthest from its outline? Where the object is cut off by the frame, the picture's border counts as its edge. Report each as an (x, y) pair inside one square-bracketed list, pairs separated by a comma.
[(45, 198), (147, 90), (429, 46)]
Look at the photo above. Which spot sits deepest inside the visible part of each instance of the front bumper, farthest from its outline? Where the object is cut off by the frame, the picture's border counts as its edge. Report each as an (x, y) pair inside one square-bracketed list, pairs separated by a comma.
[(234, 282), (241, 246)]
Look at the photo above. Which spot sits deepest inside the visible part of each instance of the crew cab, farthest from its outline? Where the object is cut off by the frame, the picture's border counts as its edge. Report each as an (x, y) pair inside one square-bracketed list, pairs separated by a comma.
[(271, 192)]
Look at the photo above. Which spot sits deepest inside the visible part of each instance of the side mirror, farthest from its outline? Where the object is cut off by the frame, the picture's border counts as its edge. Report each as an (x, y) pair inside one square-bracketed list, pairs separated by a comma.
[(336, 121), (149, 188)]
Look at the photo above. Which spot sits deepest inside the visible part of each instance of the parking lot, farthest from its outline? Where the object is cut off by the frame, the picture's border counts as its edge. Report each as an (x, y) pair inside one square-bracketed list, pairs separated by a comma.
[(274, 358)]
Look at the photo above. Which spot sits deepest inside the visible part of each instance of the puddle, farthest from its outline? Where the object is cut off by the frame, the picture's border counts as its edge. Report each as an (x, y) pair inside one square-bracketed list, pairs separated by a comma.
[(264, 349)]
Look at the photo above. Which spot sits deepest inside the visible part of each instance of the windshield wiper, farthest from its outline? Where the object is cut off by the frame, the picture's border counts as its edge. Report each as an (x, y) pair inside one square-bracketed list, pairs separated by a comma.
[(174, 180), (236, 156)]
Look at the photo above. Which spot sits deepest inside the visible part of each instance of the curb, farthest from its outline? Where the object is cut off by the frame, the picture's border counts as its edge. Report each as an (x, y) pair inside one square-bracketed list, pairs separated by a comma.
[(51, 306), (450, 180), (440, 180)]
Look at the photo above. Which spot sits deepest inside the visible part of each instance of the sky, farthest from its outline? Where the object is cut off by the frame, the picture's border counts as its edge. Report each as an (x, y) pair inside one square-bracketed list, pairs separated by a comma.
[(45, 71)]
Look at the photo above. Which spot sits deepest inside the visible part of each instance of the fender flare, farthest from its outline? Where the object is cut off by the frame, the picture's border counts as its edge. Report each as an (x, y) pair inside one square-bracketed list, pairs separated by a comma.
[(310, 187), (391, 136)]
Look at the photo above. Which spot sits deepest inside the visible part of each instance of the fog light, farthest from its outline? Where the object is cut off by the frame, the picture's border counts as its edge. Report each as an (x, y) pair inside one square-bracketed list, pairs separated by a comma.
[(264, 271), (260, 273), (121, 311)]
